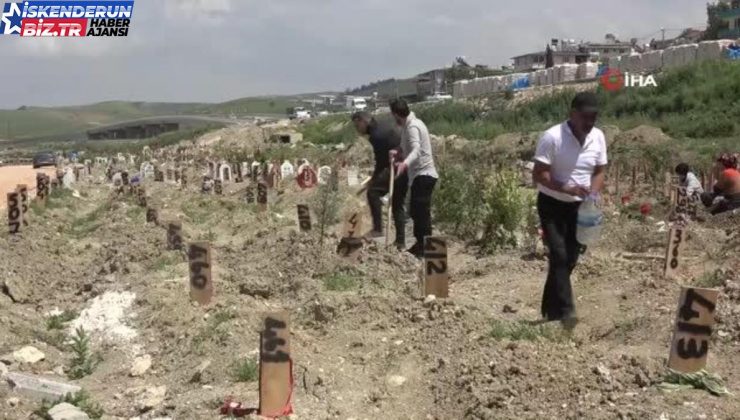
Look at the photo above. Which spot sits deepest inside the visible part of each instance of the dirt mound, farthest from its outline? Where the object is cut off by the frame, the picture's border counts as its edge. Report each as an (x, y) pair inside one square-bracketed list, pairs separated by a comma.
[(643, 135)]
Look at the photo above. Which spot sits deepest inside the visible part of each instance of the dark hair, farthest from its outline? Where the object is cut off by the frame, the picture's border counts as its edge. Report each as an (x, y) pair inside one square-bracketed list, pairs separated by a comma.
[(362, 115), (728, 161), (585, 102), (682, 169), (400, 107)]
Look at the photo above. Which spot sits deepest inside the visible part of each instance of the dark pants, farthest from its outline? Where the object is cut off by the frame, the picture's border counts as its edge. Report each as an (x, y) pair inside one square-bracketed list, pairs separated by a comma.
[(421, 206), (378, 188), (559, 221), (728, 203)]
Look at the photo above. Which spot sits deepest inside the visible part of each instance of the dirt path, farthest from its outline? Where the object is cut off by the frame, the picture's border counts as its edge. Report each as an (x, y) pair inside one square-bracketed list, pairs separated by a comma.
[(11, 176)]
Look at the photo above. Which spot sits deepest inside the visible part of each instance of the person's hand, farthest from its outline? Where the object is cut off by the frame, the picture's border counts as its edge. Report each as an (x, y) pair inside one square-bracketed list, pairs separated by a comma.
[(393, 154), (401, 168), (576, 190)]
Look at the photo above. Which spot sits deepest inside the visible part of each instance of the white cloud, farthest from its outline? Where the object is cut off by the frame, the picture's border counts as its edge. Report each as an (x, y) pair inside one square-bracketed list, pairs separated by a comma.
[(198, 10)]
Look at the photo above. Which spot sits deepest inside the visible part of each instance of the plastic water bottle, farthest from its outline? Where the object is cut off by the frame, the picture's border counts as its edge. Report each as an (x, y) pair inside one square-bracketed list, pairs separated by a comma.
[(590, 220)]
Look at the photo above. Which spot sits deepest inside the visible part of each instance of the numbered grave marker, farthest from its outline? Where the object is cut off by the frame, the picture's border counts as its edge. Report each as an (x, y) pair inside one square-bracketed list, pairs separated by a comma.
[(436, 276), (152, 216), (22, 189), (351, 243), (693, 329), (174, 236), (218, 187), (15, 213), (158, 175), (250, 195), (276, 366), (262, 196), (304, 218), (42, 188), (201, 279), (673, 261), (124, 178)]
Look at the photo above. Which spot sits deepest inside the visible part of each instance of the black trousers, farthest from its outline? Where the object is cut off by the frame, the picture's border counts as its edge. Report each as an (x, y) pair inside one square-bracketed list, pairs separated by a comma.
[(379, 188), (421, 206), (730, 202), (559, 222)]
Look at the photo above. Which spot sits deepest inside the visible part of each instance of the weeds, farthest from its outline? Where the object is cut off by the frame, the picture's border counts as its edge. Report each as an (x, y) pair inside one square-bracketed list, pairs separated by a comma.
[(80, 400), (214, 331), (90, 222), (246, 370), (57, 322), (340, 282), (84, 361), (710, 280), (523, 331)]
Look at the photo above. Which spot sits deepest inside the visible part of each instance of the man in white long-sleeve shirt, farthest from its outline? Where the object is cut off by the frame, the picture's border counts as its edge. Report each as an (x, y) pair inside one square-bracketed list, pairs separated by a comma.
[(419, 163)]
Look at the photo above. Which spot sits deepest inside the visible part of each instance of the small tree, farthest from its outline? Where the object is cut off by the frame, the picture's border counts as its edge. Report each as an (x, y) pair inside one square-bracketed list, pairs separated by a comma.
[(714, 23), (326, 205)]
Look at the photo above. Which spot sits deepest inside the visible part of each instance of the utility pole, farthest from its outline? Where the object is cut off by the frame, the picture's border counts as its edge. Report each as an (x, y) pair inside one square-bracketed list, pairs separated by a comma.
[(663, 31)]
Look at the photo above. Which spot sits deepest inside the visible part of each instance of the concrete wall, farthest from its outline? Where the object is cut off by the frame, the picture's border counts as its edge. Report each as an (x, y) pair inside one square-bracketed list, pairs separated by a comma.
[(650, 62)]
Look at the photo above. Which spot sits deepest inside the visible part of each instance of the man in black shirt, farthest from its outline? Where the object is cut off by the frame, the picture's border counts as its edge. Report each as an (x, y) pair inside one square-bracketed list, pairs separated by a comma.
[(384, 137)]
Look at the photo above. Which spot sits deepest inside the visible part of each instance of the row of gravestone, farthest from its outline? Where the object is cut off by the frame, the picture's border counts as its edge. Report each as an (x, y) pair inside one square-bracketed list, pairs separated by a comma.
[(229, 172)]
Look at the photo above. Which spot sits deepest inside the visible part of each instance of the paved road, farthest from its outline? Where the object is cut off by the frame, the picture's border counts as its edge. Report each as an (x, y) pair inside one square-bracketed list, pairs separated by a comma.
[(11, 176)]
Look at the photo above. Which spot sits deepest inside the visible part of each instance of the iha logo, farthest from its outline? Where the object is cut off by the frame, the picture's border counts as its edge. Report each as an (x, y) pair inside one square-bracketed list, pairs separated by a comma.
[(614, 80)]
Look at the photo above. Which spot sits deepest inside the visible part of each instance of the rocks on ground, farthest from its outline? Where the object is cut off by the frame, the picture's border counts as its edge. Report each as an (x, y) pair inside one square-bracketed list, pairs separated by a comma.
[(66, 411)]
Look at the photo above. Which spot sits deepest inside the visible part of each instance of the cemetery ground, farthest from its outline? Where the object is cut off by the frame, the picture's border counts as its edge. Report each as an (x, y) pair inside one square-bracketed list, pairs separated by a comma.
[(365, 344)]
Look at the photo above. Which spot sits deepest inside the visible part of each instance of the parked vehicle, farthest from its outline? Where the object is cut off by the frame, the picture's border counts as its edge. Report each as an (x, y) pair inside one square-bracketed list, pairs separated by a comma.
[(356, 104), (300, 113), (44, 159)]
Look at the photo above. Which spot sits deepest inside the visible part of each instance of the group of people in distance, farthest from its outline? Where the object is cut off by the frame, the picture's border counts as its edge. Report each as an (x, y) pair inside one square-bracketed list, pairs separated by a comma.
[(569, 165), (725, 194)]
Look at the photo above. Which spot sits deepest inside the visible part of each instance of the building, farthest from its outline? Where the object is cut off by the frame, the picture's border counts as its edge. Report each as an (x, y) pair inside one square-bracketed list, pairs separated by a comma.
[(431, 82), (731, 18), (569, 52)]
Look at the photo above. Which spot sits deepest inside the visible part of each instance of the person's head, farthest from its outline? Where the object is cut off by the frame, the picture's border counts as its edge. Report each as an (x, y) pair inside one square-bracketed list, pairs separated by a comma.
[(583, 112), (400, 110), (682, 170), (362, 121), (727, 161)]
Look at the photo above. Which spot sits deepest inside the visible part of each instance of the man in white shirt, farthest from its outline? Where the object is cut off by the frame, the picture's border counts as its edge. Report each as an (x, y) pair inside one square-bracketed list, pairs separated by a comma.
[(570, 164), (689, 180), (422, 173)]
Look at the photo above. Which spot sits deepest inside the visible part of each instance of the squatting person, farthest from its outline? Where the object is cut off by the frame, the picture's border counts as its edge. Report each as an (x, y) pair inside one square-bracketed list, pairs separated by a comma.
[(383, 137), (418, 162), (570, 164), (688, 180), (727, 187)]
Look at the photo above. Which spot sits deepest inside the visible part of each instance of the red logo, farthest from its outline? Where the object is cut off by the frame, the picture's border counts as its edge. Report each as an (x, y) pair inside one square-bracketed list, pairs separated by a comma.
[(612, 80)]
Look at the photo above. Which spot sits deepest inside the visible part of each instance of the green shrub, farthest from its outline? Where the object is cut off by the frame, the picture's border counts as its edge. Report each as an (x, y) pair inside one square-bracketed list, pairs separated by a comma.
[(340, 282), (80, 400), (84, 361), (246, 370), (57, 322)]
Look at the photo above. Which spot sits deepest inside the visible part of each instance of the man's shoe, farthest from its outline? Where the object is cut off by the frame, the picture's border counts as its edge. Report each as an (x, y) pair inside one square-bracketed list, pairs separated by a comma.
[(416, 250), (569, 323)]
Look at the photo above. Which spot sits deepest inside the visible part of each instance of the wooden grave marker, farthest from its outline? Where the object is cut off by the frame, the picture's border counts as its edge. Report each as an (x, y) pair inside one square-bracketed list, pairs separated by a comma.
[(141, 196), (42, 188), (351, 242), (262, 196), (250, 195), (304, 218), (124, 178), (15, 213), (152, 216), (22, 189), (218, 187), (667, 184), (436, 275), (693, 329), (673, 254), (174, 236), (201, 276), (158, 175), (276, 366)]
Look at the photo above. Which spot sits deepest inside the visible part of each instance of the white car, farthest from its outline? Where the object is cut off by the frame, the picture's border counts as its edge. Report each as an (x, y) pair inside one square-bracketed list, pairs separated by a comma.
[(300, 113), (439, 97)]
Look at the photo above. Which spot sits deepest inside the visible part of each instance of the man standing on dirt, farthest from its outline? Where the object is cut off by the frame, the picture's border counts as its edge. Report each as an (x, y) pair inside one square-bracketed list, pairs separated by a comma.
[(570, 164), (384, 137), (418, 161)]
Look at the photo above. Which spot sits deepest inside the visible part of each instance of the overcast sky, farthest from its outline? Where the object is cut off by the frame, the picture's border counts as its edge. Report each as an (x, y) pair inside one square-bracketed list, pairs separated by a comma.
[(216, 50)]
